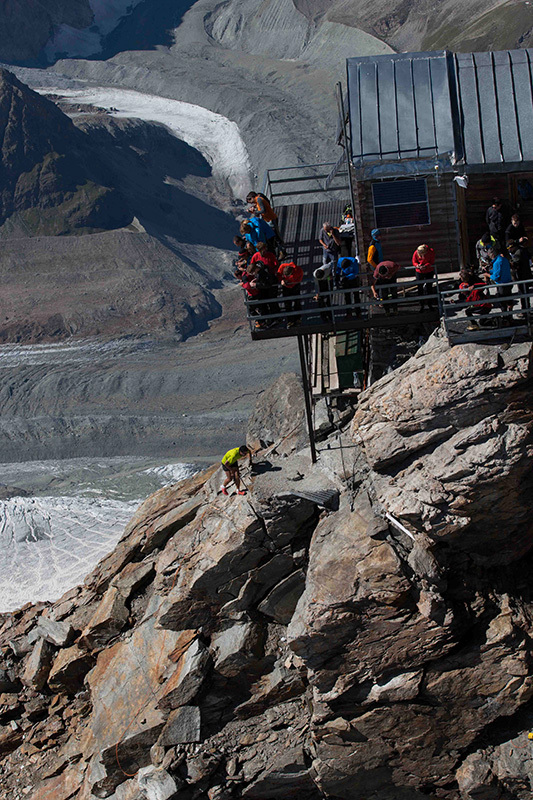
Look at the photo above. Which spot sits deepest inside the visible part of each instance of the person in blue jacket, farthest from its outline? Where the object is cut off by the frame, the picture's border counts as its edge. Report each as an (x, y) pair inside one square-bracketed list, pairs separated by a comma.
[(265, 232), (348, 280), (500, 273)]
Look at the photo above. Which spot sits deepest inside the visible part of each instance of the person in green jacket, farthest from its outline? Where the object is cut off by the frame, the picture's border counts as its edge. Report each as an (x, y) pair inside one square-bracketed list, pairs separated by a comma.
[(230, 465)]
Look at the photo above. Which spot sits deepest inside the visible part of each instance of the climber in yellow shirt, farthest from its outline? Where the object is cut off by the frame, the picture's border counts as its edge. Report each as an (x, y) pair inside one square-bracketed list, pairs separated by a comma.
[(230, 465)]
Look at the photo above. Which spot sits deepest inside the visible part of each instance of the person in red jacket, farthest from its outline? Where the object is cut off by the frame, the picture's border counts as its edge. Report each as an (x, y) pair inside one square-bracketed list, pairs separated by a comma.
[(290, 276), (267, 257), (424, 264), (384, 284)]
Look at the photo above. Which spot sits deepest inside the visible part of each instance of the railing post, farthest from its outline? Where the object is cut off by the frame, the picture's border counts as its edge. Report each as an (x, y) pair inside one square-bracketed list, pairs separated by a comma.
[(307, 397)]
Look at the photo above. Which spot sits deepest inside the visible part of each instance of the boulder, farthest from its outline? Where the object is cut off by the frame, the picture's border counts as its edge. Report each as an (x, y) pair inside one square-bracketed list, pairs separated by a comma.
[(125, 684), (182, 726), (38, 665), (237, 648), (57, 633), (279, 416), (69, 669), (287, 776), (186, 681), (107, 621), (156, 783), (449, 440), (280, 603), (221, 548)]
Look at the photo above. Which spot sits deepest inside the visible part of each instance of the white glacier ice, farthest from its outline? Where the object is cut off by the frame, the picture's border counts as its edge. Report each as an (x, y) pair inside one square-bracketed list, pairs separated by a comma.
[(215, 136)]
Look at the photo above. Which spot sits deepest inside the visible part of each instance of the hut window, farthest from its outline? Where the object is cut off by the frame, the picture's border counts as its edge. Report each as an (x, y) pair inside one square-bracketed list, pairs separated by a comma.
[(399, 204)]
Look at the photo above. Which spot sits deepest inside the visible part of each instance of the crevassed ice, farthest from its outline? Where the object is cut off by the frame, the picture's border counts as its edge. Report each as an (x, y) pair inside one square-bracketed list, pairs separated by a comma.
[(49, 544)]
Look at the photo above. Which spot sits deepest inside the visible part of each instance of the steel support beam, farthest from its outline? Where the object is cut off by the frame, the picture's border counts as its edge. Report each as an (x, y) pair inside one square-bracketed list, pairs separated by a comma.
[(307, 397)]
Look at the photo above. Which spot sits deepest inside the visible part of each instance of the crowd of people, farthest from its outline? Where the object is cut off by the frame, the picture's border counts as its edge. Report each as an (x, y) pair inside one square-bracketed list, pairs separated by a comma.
[(273, 282), (502, 258)]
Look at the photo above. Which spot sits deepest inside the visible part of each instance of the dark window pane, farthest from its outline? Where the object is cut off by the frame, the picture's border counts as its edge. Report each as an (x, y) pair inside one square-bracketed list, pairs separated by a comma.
[(401, 216), (390, 193), (399, 204)]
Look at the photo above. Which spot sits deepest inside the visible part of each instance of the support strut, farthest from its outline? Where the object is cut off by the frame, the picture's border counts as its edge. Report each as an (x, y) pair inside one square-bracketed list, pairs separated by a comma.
[(307, 397)]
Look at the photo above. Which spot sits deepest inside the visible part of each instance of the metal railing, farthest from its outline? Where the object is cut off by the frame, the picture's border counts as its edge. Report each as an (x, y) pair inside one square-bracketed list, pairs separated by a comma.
[(318, 308), (283, 183), (490, 316)]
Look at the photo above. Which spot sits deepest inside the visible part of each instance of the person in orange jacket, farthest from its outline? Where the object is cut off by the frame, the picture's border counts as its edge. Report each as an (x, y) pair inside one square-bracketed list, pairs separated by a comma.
[(290, 276), (260, 205)]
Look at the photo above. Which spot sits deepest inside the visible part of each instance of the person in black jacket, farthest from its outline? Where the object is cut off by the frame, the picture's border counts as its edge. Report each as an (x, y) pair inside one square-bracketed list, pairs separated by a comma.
[(495, 219), (515, 231), (520, 258)]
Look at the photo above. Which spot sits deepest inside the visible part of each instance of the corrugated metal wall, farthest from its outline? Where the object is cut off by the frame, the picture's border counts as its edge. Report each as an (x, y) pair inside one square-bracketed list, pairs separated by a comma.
[(399, 244)]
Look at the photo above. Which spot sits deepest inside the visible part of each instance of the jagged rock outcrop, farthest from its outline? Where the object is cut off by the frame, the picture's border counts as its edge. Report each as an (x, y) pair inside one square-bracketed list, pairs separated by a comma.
[(26, 27), (52, 181), (263, 646)]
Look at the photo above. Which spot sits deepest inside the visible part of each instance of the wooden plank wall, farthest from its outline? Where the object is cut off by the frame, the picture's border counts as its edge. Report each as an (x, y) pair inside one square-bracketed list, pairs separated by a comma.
[(399, 244), (481, 189)]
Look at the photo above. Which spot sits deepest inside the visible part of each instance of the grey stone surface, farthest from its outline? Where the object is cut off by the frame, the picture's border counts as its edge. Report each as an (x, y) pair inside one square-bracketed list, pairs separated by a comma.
[(182, 726), (156, 784), (57, 633), (237, 648), (281, 601), (38, 665)]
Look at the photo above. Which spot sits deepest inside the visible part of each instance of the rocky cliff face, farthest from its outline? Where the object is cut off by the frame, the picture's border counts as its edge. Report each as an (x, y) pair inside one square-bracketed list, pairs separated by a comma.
[(52, 179), (297, 642), (26, 27)]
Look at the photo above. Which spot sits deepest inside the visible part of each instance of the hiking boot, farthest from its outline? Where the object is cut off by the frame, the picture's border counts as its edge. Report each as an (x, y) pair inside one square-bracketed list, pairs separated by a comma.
[(241, 491), (473, 326), (224, 490)]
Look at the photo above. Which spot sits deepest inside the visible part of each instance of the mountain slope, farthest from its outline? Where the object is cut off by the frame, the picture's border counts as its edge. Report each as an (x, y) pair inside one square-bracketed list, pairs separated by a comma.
[(51, 179)]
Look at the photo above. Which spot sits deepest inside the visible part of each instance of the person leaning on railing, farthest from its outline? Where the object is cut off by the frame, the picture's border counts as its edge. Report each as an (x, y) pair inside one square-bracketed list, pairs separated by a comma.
[(499, 274), (473, 290), (424, 264), (348, 282), (290, 276), (383, 276), (520, 259)]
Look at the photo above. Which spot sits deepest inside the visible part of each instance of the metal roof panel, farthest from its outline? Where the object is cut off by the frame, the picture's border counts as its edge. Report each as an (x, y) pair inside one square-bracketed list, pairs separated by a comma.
[(476, 106)]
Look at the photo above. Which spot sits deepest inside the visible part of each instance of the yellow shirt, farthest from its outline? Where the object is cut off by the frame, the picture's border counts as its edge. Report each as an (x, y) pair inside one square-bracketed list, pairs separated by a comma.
[(232, 456), (372, 256)]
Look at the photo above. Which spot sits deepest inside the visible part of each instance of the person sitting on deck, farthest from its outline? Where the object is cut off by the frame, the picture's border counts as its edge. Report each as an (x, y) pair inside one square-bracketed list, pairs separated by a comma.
[(515, 232), (500, 273), (520, 260), (258, 204), (473, 290), (483, 246), (331, 244), (267, 257), (375, 251), (424, 264), (348, 281), (290, 276), (385, 274), (230, 465)]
